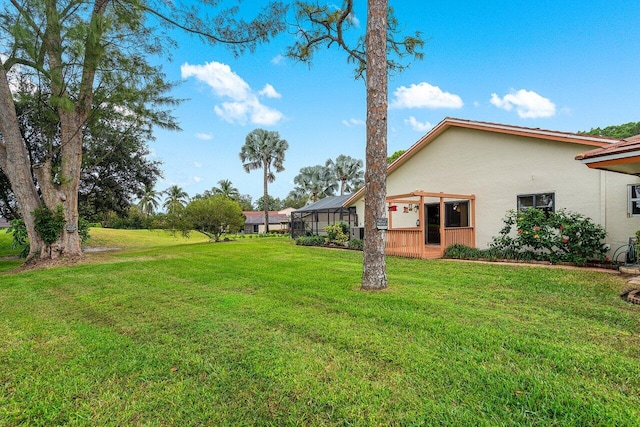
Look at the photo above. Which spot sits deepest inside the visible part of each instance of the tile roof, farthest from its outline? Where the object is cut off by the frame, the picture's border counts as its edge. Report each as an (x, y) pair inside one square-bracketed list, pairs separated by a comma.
[(254, 217), (622, 157)]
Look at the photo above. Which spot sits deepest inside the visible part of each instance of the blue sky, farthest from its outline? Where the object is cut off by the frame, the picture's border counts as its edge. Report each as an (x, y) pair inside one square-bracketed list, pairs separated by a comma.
[(560, 65)]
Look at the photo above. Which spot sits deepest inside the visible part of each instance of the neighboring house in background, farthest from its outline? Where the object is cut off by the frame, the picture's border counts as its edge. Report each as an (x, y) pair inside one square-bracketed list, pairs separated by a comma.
[(278, 221), (457, 182), (4, 223), (313, 218)]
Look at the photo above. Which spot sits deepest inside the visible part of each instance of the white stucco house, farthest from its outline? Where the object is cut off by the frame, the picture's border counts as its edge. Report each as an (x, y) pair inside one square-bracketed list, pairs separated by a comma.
[(456, 183)]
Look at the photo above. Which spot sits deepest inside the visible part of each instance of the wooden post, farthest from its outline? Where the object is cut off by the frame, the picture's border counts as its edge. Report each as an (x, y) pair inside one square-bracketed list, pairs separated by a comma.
[(473, 219), (442, 236), (423, 224)]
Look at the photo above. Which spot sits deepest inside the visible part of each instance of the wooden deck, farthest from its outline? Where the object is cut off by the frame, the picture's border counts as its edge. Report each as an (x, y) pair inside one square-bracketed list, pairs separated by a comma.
[(409, 242)]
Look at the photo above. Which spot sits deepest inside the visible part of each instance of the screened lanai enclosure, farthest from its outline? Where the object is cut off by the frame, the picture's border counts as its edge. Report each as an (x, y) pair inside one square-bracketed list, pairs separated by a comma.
[(313, 218)]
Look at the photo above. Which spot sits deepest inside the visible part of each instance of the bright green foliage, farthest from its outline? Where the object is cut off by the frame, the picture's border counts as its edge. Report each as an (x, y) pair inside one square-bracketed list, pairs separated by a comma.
[(561, 236), (264, 150), (313, 240), (621, 131), (357, 244), (392, 158), (273, 203), (260, 332), (458, 251), (49, 224), (214, 215), (338, 232), (226, 188), (176, 199), (149, 201), (20, 240)]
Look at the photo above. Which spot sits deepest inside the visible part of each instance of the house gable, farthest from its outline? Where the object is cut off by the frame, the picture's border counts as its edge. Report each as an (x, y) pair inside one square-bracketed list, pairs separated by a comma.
[(499, 164), (578, 140)]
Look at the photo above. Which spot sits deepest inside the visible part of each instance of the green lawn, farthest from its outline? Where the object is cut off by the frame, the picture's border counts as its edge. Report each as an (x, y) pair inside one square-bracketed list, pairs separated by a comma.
[(170, 331)]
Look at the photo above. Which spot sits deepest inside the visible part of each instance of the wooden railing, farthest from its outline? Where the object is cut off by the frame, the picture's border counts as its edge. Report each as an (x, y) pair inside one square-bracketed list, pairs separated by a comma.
[(459, 235), (409, 242), (405, 242)]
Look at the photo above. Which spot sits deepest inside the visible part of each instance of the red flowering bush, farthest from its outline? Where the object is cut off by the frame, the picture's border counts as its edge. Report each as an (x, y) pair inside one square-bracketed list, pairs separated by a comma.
[(561, 236)]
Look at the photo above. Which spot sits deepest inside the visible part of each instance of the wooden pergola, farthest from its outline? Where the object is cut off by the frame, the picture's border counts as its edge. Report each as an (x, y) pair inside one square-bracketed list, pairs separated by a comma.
[(412, 242)]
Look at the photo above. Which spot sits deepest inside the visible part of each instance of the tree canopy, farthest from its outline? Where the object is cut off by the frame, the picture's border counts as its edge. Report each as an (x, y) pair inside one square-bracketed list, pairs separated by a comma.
[(625, 130), (89, 54), (347, 172), (214, 215), (264, 150)]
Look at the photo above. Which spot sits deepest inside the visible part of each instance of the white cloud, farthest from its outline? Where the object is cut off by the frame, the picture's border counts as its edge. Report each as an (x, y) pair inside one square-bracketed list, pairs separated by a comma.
[(244, 105), (418, 126), (277, 59), (424, 95), (528, 104), (197, 164), (197, 179), (354, 122), (14, 76), (354, 20), (270, 92), (204, 136)]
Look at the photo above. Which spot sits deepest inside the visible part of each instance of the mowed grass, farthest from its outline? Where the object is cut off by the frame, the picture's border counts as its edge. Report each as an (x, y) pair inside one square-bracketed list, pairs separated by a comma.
[(263, 332)]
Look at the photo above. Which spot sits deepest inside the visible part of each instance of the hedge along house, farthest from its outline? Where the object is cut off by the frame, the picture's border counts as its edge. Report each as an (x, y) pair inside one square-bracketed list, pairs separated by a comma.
[(313, 218), (458, 181)]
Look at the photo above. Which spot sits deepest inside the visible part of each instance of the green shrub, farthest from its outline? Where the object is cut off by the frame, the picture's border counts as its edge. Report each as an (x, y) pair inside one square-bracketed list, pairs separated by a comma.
[(355, 244), (458, 251), (83, 229), (49, 224), (313, 240), (136, 220), (338, 232), (561, 236), (19, 237)]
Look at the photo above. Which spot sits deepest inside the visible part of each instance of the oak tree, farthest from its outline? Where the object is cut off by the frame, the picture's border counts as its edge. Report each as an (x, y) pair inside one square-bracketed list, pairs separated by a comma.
[(80, 47)]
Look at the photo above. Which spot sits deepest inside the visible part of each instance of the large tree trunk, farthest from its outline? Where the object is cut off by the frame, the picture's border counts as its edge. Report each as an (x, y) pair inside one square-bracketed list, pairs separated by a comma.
[(374, 275), (15, 163), (63, 190)]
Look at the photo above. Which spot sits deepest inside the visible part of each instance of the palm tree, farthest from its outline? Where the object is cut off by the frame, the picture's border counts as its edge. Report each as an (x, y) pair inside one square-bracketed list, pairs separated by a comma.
[(227, 189), (176, 199), (315, 182), (348, 171), (264, 149), (149, 201)]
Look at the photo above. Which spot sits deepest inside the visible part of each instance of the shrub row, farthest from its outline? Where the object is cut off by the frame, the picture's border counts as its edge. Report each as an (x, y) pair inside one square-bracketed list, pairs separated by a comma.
[(534, 234)]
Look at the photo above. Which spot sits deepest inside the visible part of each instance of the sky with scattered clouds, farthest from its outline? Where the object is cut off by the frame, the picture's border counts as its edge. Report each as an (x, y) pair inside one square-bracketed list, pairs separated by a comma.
[(567, 66)]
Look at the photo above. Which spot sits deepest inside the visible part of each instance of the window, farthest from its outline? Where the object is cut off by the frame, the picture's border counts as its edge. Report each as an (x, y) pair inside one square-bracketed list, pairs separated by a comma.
[(256, 228), (634, 200), (456, 214), (544, 201)]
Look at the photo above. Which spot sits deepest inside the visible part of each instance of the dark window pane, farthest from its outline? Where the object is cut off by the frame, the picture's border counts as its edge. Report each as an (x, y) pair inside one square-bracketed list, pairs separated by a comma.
[(525, 202)]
